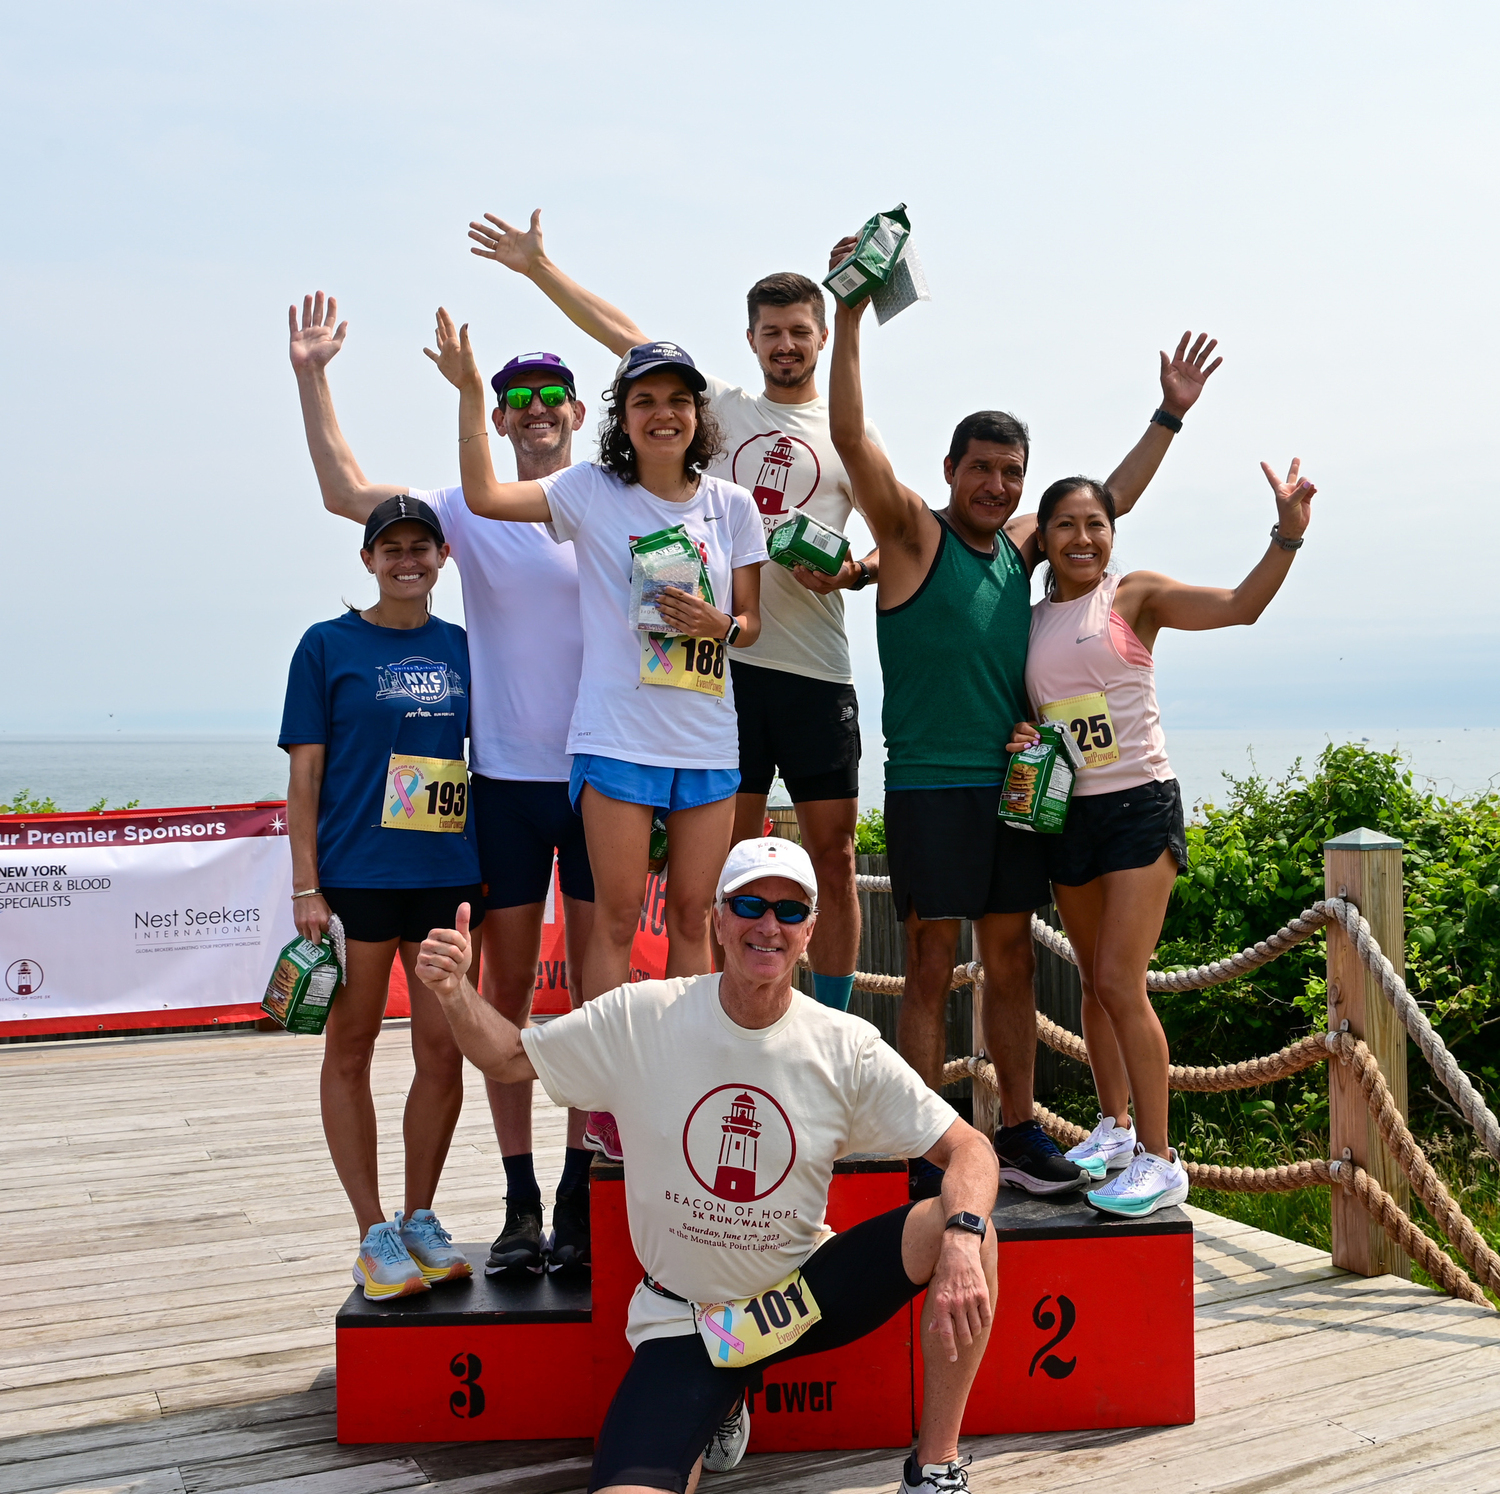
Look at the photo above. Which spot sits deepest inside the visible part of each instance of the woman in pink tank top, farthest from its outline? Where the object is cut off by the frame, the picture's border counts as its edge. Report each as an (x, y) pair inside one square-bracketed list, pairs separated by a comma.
[(1112, 868)]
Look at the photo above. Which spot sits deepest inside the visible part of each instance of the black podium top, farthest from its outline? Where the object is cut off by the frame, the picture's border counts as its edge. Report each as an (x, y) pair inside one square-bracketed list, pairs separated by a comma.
[(1066, 1216), (510, 1297)]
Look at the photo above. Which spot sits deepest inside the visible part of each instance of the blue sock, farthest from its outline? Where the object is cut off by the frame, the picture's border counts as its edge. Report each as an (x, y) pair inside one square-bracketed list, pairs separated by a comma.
[(833, 990), (520, 1179), (575, 1174)]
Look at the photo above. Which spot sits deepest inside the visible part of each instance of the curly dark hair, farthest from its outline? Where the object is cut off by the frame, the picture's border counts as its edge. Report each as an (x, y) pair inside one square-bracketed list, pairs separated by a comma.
[(617, 455)]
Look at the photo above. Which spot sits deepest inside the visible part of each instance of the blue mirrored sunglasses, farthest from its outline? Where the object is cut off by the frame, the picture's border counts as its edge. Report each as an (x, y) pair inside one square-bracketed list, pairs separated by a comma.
[(787, 909)]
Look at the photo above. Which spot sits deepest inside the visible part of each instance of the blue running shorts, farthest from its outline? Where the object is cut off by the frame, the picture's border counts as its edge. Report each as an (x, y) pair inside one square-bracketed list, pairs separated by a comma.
[(666, 789)]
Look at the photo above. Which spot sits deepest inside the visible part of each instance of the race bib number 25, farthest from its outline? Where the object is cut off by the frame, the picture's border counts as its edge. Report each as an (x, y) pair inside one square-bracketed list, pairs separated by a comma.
[(1087, 718), (683, 663)]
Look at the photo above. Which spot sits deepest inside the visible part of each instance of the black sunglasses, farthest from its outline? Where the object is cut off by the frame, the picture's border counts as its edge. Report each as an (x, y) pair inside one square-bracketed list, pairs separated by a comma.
[(787, 909)]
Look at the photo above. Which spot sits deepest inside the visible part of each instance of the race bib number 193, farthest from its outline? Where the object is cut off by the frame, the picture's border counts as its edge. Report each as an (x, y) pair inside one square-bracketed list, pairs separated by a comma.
[(426, 793), (683, 663), (750, 1328), (1087, 718)]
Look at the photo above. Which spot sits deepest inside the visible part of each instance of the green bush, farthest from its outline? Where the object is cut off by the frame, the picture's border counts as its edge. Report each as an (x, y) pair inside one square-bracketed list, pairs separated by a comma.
[(869, 834)]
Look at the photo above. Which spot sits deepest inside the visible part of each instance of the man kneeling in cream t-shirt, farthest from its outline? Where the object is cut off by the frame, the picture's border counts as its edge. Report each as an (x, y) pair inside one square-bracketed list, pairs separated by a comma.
[(734, 1094)]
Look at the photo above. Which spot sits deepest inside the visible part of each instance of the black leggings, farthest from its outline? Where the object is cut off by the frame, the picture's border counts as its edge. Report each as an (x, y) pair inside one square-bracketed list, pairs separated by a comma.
[(672, 1396)]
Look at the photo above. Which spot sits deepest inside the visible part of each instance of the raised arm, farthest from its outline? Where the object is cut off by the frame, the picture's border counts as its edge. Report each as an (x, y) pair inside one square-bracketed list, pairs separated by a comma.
[(346, 490), (521, 250), (486, 1039), (520, 502), (1150, 602)]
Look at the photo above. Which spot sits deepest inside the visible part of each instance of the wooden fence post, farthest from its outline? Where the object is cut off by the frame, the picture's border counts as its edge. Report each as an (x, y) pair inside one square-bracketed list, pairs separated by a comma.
[(1365, 867)]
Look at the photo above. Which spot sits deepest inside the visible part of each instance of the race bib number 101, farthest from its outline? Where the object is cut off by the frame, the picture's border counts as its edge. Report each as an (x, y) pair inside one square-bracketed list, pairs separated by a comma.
[(426, 793), (683, 663), (1087, 718), (748, 1329)]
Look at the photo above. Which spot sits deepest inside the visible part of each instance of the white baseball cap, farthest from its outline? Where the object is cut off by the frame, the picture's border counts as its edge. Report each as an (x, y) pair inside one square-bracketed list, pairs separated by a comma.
[(771, 856)]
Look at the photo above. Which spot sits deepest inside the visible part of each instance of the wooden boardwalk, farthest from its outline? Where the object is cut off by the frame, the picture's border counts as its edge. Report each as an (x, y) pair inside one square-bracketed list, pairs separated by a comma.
[(180, 1246)]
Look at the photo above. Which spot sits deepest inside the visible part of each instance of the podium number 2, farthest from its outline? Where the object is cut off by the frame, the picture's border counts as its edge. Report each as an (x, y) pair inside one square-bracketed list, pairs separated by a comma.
[(470, 1401), (1045, 1319)]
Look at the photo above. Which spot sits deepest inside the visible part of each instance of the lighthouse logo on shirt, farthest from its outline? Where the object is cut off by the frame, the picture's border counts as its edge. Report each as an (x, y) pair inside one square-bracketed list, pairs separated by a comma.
[(739, 1143), (781, 472)]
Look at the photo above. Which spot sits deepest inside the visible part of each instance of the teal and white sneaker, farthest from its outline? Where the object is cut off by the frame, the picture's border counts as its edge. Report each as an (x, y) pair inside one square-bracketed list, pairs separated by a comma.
[(384, 1267), (1107, 1148), (431, 1247), (1148, 1184)]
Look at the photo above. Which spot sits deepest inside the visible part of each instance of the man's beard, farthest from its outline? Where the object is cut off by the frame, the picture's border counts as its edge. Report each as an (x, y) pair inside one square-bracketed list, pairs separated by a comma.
[(789, 378)]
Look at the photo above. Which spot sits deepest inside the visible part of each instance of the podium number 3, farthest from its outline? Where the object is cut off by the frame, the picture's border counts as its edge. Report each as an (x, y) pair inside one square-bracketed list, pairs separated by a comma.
[(1045, 1319), (470, 1401)]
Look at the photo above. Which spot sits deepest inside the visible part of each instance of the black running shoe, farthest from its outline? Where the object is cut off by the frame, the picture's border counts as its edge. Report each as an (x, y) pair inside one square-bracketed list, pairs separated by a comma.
[(570, 1230), (1030, 1159), (519, 1246)]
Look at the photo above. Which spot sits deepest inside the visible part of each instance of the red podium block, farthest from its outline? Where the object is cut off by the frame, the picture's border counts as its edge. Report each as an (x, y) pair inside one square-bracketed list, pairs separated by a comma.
[(859, 1396), (1094, 1324), (490, 1359)]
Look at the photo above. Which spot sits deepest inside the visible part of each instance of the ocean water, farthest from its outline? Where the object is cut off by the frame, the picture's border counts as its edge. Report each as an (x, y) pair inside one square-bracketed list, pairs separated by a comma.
[(165, 770)]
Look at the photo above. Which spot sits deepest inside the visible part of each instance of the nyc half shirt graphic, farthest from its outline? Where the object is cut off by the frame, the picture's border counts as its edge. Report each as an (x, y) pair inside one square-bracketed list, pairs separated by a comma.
[(784, 456), (365, 692), (730, 1133)]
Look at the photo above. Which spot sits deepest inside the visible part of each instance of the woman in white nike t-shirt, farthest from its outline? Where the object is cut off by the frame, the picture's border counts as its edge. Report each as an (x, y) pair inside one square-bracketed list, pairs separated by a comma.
[(654, 728)]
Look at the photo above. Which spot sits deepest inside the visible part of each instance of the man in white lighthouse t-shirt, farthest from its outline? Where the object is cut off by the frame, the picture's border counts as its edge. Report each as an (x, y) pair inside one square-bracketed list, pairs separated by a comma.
[(734, 1094), (793, 689)]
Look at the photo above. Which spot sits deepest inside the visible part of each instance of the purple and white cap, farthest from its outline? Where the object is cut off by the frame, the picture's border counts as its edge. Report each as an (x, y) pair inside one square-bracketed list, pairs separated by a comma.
[(528, 365)]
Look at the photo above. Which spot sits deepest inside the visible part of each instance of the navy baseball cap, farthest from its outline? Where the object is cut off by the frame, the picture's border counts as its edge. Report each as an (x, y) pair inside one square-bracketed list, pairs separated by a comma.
[(397, 510), (648, 357), (528, 365)]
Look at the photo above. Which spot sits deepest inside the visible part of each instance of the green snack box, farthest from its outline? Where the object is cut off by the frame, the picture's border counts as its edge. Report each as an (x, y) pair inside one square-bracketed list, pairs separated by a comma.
[(306, 979), (1039, 782), (874, 257), (656, 857), (802, 540)]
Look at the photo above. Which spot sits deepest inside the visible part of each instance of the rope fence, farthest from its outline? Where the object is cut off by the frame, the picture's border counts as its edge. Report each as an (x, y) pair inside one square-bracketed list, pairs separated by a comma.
[(1343, 1047)]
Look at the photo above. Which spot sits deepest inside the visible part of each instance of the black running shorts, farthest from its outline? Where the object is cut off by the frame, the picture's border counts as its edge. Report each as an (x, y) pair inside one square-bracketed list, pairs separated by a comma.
[(519, 825), (672, 1397), (374, 914), (806, 729), (952, 857), (1118, 832)]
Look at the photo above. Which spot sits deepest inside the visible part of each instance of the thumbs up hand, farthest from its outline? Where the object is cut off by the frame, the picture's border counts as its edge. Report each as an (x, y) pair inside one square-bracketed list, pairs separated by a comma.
[(443, 959)]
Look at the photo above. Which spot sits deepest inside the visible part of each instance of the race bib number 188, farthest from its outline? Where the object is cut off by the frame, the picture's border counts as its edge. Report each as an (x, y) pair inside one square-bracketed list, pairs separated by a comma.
[(683, 663)]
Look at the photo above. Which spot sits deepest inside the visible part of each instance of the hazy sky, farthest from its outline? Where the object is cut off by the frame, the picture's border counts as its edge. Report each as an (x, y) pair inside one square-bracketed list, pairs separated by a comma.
[(1314, 185)]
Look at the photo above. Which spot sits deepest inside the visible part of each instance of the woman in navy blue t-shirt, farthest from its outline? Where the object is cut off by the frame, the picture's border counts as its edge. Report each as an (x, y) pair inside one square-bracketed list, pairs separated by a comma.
[(377, 709)]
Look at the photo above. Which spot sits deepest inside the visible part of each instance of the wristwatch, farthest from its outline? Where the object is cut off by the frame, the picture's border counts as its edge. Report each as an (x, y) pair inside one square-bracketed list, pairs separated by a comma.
[(1171, 422), (1283, 540), (970, 1222), (733, 633), (864, 577)]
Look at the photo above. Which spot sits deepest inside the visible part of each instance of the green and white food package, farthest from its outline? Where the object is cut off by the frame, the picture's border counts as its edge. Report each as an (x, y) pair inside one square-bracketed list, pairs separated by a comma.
[(803, 540), (907, 285), (1039, 781), (875, 256), (656, 855), (666, 558), (306, 979)]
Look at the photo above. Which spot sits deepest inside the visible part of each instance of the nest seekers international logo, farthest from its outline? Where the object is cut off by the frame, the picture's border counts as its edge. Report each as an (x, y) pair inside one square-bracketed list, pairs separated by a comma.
[(781, 472), (739, 1143), (426, 681)]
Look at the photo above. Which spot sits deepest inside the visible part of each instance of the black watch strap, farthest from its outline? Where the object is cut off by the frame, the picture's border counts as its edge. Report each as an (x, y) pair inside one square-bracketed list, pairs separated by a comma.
[(864, 577), (975, 1224), (1171, 422)]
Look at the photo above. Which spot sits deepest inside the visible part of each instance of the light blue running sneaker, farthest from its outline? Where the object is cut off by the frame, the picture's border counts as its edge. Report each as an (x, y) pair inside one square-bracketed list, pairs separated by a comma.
[(1148, 1184), (384, 1267), (1107, 1148), (431, 1247)]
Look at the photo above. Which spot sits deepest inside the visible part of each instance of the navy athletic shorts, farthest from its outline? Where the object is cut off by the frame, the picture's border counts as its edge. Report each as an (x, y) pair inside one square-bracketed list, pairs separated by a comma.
[(520, 825)]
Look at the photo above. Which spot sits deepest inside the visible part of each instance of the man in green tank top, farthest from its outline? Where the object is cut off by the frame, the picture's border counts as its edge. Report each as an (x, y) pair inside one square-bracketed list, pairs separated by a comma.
[(953, 616)]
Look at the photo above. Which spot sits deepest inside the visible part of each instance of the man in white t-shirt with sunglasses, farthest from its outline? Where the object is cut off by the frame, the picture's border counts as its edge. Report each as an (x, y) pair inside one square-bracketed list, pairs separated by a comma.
[(793, 688), (734, 1094)]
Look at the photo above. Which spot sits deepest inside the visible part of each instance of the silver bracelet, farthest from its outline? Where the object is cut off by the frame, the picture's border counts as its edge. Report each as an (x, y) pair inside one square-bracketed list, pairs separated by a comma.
[(311, 892)]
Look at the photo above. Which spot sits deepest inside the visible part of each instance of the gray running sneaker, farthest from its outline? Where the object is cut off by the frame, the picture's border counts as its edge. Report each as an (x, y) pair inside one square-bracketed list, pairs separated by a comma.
[(727, 1445), (934, 1478)]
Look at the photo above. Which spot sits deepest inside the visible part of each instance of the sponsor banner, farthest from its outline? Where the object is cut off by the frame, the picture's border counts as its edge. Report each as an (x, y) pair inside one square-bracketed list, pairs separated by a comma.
[(172, 916)]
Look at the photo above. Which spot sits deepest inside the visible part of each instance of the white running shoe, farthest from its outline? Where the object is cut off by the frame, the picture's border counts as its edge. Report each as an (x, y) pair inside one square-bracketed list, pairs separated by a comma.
[(935, 1478), (432, 1247), (727, 1445), (1148, 1184), (1107, 1148), (384, 1267)]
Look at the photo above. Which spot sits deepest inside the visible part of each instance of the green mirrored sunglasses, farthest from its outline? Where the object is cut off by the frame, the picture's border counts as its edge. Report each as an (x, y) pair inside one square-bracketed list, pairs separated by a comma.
[(551, 395)]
